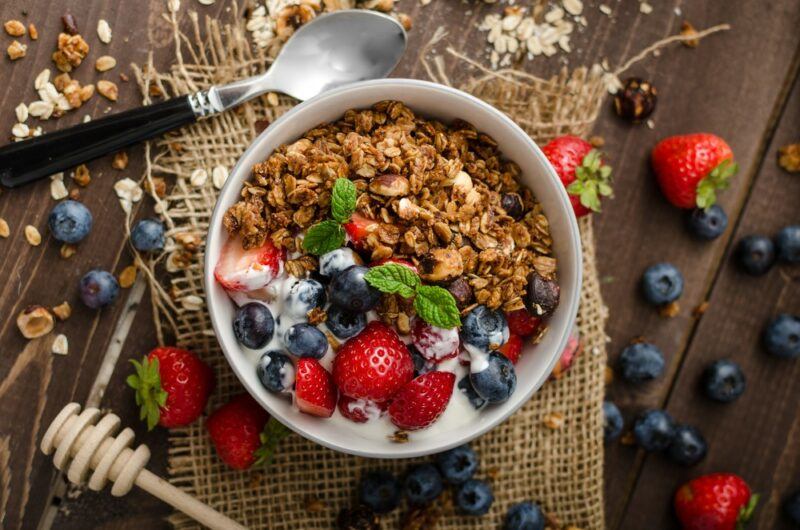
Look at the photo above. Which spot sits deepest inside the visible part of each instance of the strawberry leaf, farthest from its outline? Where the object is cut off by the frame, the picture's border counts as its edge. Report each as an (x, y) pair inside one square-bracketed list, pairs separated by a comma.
[(437, 306), (274, 431), (592, 181), (323, 237), (746, 513), (718, 179), (150, 397), (393, 278), (343, 199)]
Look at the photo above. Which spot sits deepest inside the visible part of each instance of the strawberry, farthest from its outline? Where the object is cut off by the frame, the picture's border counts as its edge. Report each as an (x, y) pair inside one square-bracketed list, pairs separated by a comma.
[(172, 386), (420, 402), (373, 365), (512, 349), (568, 356), (720, 501), (582, 171), (243, 433), (314, 390), (246, 270), (359, 227), (358, 410), (522, 323), (434, 343), (690, 168)]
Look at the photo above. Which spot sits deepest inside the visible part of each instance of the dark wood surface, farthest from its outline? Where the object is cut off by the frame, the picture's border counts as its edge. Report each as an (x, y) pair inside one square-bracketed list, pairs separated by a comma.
[(741, 84)]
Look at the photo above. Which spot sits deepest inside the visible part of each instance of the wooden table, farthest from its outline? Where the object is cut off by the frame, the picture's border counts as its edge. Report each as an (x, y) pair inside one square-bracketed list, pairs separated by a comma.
[(742, 84)]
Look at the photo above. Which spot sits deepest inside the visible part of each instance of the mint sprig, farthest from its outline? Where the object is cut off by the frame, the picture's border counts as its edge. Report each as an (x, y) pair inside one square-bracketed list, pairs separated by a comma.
[(329, 235), (434, 305)]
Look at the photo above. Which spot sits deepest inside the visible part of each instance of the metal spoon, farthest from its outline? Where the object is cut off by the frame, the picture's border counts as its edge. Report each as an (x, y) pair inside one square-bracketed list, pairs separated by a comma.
[(332, 50)]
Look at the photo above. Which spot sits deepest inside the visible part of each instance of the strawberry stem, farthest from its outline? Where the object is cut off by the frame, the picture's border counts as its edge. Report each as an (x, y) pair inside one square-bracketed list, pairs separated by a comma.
[(718, 178), (149, 395), (274, 431), (746, 513), (592, 181)]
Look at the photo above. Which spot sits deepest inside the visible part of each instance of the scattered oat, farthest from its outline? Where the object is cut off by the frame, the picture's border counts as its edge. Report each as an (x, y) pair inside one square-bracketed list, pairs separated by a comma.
[(206, 2), (20, 130), (15, 28), (82, 177), (650, 124), (645, 8), (16, 50), (127, 277), (5, 231), (553, 420), (573, 7), (62, 311), (192, 302), (105, 63), (87, 119), (669, 310), (35, 321), (32, 235), (58, 190), (700, 310), (42, 79), (33, 32), (128, 192), (41, 109), (218, 176), (21, 112), (120, 160), (60, 345), (789, 157), (108, 89), (67, 250), (605, 9), (103, 31), (174, 5), (198, 177)]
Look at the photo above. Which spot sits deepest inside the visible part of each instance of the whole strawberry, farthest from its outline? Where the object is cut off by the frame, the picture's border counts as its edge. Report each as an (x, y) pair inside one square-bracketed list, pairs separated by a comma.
[(172, 386), (692, 167), (720, 501), (582, 171)]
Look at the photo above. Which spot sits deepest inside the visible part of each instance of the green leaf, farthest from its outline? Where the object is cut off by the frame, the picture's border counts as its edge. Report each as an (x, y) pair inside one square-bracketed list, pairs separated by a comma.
[(393, 278), (437, 306), (150, 397), (324, 237), (576, 188), (274, 431), (590, 199), (343, 199), (746, 512), (718, 179)]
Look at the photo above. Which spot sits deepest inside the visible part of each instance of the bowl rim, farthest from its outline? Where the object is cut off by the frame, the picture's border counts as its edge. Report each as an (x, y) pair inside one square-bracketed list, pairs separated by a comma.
[(572, 302)]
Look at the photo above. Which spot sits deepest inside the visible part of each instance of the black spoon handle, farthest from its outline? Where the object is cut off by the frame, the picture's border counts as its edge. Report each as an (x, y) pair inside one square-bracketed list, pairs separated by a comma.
[(35, 158)]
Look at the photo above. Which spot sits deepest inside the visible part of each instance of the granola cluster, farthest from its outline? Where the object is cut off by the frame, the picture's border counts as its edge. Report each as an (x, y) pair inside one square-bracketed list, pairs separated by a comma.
[(439, 196)]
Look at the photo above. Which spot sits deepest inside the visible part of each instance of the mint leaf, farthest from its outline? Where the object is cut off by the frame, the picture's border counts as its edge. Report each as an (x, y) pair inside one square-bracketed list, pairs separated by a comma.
[(437, 306), (323, 237), (343, 199), (393, 278)]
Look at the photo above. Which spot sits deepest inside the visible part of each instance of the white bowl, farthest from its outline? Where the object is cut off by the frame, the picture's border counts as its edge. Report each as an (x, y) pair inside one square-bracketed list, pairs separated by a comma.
[(445, 104)]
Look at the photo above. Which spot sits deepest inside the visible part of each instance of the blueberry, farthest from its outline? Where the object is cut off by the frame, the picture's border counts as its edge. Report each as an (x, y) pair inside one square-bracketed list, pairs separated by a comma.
[(379, 491), (641, 362), (349, 290), (541, 295), (662, 283), (524, 516), (688, 446), (755, 254), (474, 497), (612, 421), (708, 223), (654, 430), (465, 386), (484, 329), (723, 381), (345, 324), (788, 241), (305, 340), (423, 484), (98, 288), (791, 507), (70, 221), (148, 235), (304, 295), (275, 371), (458, 465), (497, 381), (253, 325), (782, 336), (336, 261)]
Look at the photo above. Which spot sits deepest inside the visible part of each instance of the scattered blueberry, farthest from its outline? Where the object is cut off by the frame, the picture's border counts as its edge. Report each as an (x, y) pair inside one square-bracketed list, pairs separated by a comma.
[(458, 465), (148, 235), (338, 260), (788, 241), (708, 223), (782, 336), (612, 421), (484, 329), (791, 507), (465, 386), (253, 325), (98, 288), (423, 484), (497, 381), (343, 323), (305, 340), (379, 491), (662, 283), (304, 295), (755, 254), (688, 446), (654, 430), (474, 497), (723, 381), (524, 516), (70, 221), (275, 371), (349, 290), (641, 362)]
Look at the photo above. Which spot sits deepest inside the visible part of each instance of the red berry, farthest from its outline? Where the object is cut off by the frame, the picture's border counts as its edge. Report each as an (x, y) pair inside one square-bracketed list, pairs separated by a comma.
[(245, 270), (235, 429), (373, 365), (359, 227), (358, 410), (172, 386), (397, 261), (690, 168), (435, 344), (315, 392), (513, 348), (568, 356), (522, 323), (421, 402), (720, 501)]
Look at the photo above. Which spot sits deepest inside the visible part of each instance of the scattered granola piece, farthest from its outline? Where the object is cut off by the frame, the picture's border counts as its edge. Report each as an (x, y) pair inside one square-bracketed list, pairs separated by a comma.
[(157, 188), (127, 277), (33, 32), (41, 109), (20, 130), (62, 311), (399, 437), (687, 30), (128, 191), (35, 321), (192, 302), (124, 77), (669, 310), (198, 177), (70, 53), (103, 31), (553, 420), (85, 93), (597, 141), (67, 250), (700, 310), (60, 345), (174, 5), (108, 89), (608, 375), (105, 63), (16, 50), (789, 157), (120, 160), (74, 194), (5, 231), (81, 176), (21, 111), (405, 21), (58, 190), (42, 79), (645, 8), (32, 235), (15, 28), (70, 26)]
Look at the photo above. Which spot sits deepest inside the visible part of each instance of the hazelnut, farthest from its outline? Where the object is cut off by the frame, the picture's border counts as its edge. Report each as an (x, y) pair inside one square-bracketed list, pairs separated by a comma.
[(389, 185), (636, 100), (461, 291), (35, 321), (512, 204), (440, 265), (541, 296)]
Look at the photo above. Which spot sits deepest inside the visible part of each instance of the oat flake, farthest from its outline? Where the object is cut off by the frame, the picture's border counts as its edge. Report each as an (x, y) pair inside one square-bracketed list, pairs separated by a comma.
[(20, 130), (60, 345), (22, 112), (192, 302), (32, 235), (5, 231), (218, 176), (42, 79), (198, 177), (103, 31), (58, 190), (174, 5)]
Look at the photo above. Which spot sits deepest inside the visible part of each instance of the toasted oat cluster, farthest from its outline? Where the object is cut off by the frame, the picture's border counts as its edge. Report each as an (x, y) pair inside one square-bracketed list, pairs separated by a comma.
[(437, 195)]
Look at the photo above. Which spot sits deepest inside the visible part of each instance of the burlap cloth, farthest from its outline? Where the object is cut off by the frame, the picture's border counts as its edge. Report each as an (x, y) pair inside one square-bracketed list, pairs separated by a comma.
[(561, 469)]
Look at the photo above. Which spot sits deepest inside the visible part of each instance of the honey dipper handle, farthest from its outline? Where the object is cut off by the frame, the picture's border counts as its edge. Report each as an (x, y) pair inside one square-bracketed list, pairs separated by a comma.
[(184, 502)]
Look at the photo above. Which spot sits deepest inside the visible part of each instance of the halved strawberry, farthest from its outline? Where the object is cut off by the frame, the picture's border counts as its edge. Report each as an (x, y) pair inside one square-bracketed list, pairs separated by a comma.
[(421, 402), (513, 348), (433, 343), (398, 261), (359, 227), (522, 323), (315, 392), (245, 270), (359, 410)]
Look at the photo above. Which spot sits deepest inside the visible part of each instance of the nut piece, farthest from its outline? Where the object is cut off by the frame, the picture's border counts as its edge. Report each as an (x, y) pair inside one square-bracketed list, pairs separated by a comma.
[(389, 185), (687, 30), (105, 63), (5, 231), (789, 157), (67, 250), (15, 28), (461, 291), (440, 265), (541, 296), (35, 321), (32, 235), (553, 420), (636, 101), (120, 160), (16, 50), (127, 277), (33, 32), (108, 89), (60, 345), (71, 51), (62, 311), (82, 177)]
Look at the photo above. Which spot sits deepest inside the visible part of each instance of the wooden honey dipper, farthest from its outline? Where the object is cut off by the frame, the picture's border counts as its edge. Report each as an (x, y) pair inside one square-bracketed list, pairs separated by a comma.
[(85, 441)]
